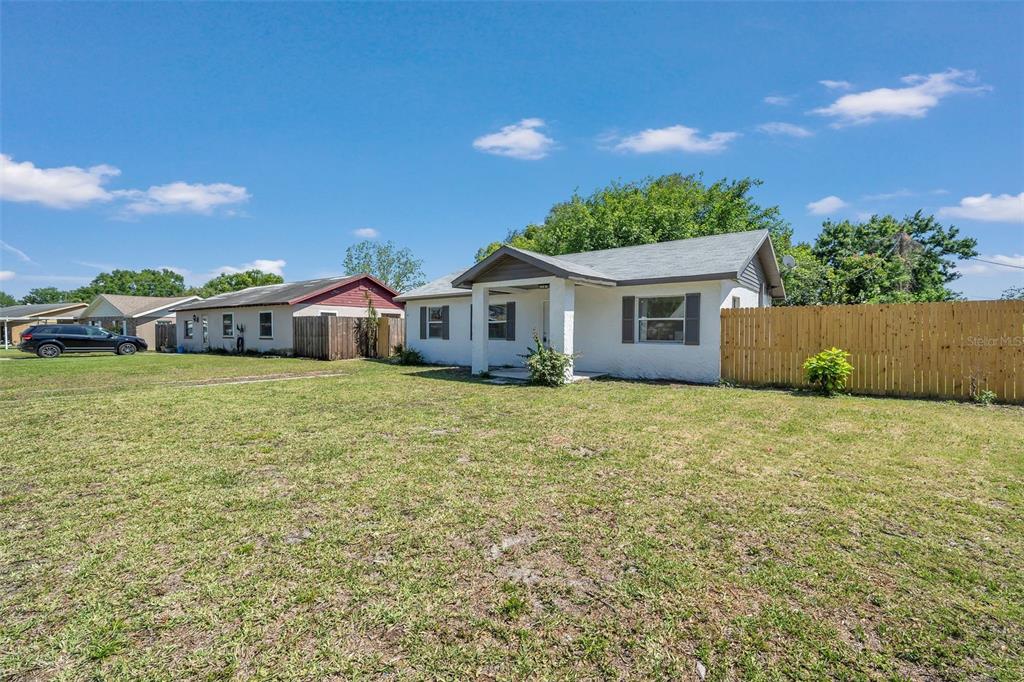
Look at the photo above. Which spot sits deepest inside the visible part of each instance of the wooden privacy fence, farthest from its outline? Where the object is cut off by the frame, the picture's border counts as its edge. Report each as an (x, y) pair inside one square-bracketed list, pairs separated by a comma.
[(916, 349), (336, 338), (166, 336)]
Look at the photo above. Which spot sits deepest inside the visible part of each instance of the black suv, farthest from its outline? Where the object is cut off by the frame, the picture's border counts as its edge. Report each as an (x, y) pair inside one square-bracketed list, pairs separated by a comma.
[(49, 341)]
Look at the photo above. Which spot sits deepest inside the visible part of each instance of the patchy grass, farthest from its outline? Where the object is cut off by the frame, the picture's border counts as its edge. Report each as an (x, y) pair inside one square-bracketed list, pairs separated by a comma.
[(413, 522)]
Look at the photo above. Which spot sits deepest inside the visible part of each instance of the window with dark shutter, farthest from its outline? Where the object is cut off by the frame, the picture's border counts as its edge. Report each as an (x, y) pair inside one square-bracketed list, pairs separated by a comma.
[(445, 321), (423, 321), (510, 323), (692, 320), (628, 311)]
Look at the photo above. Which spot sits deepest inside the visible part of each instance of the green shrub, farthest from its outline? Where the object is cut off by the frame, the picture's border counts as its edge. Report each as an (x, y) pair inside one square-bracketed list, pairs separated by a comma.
[(406, 356), (547, 366), (828, 370)]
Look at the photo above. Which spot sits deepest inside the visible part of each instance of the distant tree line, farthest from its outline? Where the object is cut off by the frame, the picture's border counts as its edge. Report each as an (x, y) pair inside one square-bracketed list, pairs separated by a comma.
[(146, 282), (879, 260)]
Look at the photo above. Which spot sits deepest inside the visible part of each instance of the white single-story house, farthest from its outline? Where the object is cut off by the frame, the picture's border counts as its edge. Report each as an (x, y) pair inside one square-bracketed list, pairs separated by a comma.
[(135, 315), (262, 316), (648, 311)]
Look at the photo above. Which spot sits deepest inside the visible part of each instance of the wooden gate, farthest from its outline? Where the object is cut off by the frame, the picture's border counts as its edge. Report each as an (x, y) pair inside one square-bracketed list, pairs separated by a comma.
[(942, 350), (166, 336), (336, 338)]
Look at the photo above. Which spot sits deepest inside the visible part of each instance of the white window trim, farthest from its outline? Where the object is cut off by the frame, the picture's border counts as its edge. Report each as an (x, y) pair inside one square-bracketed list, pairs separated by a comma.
[(231, 327), (504, 322), (439, 323), (259, 323), (640, 337)]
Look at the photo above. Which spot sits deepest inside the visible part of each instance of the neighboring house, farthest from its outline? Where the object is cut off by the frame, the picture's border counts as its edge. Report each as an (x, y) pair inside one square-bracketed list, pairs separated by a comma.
[(17, 317), (263, 315), (649, 311), (134, 315)]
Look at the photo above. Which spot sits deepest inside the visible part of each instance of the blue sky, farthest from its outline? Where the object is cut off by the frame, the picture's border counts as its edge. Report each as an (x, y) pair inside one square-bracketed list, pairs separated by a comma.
[(207, 137)]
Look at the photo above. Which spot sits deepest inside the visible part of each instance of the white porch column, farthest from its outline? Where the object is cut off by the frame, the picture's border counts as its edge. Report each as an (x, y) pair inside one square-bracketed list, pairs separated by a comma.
[(480, 313), (562, 309)]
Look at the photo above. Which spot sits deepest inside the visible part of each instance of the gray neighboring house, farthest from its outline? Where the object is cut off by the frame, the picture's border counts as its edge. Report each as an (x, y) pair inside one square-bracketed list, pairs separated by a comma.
[(135, 315), (648, 311), (16, 318)]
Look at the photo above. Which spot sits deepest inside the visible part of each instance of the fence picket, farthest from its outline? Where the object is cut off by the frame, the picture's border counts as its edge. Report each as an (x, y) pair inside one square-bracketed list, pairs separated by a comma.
[(915, 349)]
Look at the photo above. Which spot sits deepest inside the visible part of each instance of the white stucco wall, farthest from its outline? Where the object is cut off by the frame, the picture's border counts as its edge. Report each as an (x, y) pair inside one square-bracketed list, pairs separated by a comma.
[(457, 349), (598, 332), (250, 317), (748, 297)]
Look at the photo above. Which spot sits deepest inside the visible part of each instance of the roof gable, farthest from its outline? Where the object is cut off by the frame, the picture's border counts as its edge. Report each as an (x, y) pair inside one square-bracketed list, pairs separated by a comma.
[(509, 262), (289, 293)]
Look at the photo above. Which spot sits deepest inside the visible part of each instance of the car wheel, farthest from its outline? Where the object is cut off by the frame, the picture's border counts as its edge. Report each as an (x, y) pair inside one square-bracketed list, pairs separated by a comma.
[(48, 350), (126, 349)]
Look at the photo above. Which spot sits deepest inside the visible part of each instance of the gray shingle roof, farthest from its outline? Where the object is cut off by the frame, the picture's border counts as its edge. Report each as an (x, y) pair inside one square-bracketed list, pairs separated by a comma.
[(133, 305), (723, 255), (272, 294), (34, 309)]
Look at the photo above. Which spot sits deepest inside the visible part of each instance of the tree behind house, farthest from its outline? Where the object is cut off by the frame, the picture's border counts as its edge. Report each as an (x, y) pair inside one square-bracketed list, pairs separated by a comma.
[(396, 267)]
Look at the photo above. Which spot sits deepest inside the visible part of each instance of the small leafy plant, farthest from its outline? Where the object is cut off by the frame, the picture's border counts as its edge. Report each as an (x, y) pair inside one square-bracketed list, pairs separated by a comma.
[(828, 370), (547, 366), (406, 356)]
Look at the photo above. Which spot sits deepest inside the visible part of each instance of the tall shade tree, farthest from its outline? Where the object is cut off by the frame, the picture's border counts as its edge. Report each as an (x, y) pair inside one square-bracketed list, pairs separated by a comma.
[(396, 267), (886, 260), (55, 295), (6, 299), (236, 281), (653, 210), (146, 282)]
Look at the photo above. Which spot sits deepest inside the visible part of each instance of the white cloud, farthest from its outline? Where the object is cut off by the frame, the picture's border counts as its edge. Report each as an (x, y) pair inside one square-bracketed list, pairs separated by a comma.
[(826, 205), (18, 253), (366, 233), (182, 197), (675, 138), (778, 100), (274, 266), (521, 140), (95, 266), (6, 275), (788, 129), (885, 196), (922, 94), (836, 85), (994, 267), (65, 187), (1004, 208)]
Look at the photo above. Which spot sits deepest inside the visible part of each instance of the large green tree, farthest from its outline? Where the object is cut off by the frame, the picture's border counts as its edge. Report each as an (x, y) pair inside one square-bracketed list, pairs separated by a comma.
[(6, 299), (653, 210), (147, 282), (881, 260), (396, 267), (236, 281), (54, 295), (1013, 294)]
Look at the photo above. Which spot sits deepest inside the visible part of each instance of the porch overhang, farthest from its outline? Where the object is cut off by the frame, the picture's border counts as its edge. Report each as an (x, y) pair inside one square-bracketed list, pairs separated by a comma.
[(510, 267)]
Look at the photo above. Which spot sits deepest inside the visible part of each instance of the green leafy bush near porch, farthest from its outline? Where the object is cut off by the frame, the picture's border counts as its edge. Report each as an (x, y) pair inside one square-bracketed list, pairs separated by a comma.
[(547, 366)]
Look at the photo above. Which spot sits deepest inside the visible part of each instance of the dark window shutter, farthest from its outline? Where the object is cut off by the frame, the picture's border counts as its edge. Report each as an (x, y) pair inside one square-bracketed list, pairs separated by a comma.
[(510, 324), (470, 321), (423, 321), (444, 322), (628, 311), (692, 332)]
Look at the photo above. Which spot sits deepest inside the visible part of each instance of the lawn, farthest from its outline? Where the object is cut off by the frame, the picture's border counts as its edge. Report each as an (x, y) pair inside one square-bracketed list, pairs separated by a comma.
[(408, 521)]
